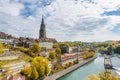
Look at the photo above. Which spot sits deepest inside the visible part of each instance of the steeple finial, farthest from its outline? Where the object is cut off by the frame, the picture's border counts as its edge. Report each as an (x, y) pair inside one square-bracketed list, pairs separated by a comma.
[(42, 19)]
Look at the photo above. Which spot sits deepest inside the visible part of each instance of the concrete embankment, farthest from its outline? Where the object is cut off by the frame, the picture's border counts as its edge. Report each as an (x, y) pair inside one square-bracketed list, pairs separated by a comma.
[(68, 70)]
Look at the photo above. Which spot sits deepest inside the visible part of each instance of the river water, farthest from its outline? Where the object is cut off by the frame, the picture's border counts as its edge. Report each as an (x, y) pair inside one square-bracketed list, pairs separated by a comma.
[(93, 67)]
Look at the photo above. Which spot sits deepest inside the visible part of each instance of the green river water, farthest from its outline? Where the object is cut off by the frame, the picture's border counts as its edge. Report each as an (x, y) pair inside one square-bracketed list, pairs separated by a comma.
[(93, 67)]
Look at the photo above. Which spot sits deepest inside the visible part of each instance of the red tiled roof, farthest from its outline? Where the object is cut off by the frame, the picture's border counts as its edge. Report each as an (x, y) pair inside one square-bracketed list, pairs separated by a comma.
[(66, 56)]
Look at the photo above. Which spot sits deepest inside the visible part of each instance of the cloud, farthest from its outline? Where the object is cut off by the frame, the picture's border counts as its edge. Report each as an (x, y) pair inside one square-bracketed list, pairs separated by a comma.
[(11, 8), (65, 19), (83, 19), (18, 26)]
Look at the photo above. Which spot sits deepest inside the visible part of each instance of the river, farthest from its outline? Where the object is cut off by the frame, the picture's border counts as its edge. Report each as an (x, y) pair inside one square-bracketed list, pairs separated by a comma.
[(93, 67)]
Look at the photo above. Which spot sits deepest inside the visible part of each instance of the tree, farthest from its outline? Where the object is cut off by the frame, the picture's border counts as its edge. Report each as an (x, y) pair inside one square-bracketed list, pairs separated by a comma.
[(92, 77), (72, 44), (58, 52), (39, 67), (34, 74), (0, 65), (7, 71), (55, 45), (35, 48), (26, 71), (88, 54), (107, 75), (1, 48), (63, 44), (52, 55), (117, 50)]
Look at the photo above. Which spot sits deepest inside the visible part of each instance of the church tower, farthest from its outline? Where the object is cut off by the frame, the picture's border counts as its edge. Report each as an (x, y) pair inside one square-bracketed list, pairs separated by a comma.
[(42, 31)]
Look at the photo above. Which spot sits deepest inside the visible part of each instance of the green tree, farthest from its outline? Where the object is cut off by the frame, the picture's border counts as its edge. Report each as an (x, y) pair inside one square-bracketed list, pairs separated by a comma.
[(1, 48), (52, 55), (63, 44), (40, 68), (72, 44), (35, 48), (117, 50)]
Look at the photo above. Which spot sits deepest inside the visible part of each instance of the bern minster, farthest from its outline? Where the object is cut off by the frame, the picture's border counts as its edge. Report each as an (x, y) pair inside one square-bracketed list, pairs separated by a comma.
[(42, 33)]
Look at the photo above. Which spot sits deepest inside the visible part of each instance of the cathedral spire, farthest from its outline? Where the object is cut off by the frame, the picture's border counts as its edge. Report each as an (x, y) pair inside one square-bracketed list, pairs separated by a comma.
[(42, 31), (42, 20)]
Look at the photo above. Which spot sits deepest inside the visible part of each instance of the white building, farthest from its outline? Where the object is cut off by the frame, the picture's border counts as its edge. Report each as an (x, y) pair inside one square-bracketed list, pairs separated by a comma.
[(47, 45), (72, 49), (6, 41)]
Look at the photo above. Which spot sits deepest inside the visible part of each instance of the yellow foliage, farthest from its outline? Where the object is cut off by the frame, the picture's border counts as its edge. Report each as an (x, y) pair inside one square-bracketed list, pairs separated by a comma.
[(40, 67), (8, 71), (1, 51), (26, 71), (88, 55), (84, 56), (92, 77), (1, 48), (107, 75)]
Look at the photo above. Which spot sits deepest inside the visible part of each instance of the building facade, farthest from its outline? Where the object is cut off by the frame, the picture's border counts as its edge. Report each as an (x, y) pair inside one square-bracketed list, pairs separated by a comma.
[(67, 49), (47, 45)]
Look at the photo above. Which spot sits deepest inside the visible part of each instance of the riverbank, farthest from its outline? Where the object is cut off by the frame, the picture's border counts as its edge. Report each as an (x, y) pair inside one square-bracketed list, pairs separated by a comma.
[(68, 70)]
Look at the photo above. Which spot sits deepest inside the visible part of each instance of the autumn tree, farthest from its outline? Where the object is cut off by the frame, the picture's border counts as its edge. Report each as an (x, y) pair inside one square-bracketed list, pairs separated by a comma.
[(0, 65), (26, 71), (106, 75), (35, 49), (7, 71), (92, 77), (52, 55), (39, 67), (1, 48), (58, 52), (88, 55), (56, 45), (34, 74)]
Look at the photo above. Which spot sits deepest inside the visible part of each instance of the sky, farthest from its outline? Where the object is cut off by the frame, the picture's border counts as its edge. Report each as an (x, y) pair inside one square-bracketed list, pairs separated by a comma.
[(65, 20)]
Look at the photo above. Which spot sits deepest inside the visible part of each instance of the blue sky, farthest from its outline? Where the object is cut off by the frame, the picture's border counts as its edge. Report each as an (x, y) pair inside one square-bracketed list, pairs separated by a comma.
[(66, 20)]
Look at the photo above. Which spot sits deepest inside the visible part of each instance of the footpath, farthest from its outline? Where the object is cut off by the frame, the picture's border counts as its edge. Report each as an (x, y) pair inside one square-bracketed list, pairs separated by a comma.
[(68, 70)]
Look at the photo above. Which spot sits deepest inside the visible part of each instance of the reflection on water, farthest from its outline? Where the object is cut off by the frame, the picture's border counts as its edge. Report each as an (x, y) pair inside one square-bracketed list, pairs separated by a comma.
[(93, 67)]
